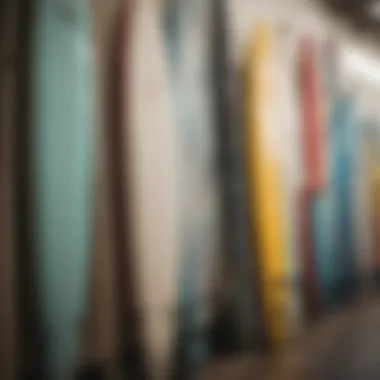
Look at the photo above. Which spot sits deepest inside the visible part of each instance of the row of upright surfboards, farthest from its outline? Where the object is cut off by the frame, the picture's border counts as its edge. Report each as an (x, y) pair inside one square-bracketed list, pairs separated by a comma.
[(238, 195)]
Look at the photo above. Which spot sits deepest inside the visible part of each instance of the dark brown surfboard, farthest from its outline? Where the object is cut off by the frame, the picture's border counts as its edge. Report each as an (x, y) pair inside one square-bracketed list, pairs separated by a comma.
[(132, 357), (8, 291), (239, 325)]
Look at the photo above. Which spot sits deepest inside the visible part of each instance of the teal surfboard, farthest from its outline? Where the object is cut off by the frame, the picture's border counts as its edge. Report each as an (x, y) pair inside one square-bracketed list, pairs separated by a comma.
[(323, 214), (342, 171), (63, 140), (333, 208), (333, 214)]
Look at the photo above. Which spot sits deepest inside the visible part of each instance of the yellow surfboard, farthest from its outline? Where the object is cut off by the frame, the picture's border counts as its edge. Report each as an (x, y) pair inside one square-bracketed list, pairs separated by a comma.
[(266, 182)]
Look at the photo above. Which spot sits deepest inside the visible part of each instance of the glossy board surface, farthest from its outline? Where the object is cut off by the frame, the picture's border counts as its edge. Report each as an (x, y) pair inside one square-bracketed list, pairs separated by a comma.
[(264, 172), (187, 37), (153, 185), (313, 175), (239, 257), (63, 174), (341, 145)]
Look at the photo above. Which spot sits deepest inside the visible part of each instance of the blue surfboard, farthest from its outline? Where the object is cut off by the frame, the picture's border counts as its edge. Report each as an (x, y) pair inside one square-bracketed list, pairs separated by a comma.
[(323, 214), (343, 120), (63, 145)]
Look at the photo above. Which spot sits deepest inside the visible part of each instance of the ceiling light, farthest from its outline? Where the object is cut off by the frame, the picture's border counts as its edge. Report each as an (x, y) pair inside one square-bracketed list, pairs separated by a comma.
[(360, 64)]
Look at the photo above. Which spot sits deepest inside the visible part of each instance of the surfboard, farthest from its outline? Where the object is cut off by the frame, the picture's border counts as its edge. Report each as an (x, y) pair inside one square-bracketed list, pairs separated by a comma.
[(341, 135), (9, 326), (30, 351), (361, 206), (132, 360), (313, 172), (264, 172), (63, 156), (310, 78), (372, 172), (187, 36), (152, 180), (242, 305), (291, 147), (323, 205), (323, 215)]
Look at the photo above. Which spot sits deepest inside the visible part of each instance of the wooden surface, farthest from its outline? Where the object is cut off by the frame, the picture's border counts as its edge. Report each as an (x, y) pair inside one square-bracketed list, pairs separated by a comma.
[(344, 346)]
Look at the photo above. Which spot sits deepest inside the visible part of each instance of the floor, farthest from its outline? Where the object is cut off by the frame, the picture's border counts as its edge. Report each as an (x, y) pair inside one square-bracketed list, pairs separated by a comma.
[(344, 346)]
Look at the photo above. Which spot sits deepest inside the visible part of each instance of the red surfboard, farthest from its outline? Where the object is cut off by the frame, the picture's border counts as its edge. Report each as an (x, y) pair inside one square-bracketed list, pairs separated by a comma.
[(313, 171)]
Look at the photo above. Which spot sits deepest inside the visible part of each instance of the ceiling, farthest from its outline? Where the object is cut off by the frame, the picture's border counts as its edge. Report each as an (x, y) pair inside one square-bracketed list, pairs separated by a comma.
[(357, 13)]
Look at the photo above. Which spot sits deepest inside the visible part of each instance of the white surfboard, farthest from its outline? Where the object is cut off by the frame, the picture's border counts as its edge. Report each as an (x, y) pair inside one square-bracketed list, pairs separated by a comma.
[(291, 135), (153, 184)]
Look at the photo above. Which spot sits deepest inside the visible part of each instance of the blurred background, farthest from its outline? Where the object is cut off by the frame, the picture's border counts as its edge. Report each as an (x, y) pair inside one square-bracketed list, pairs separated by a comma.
[(189, 189)]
